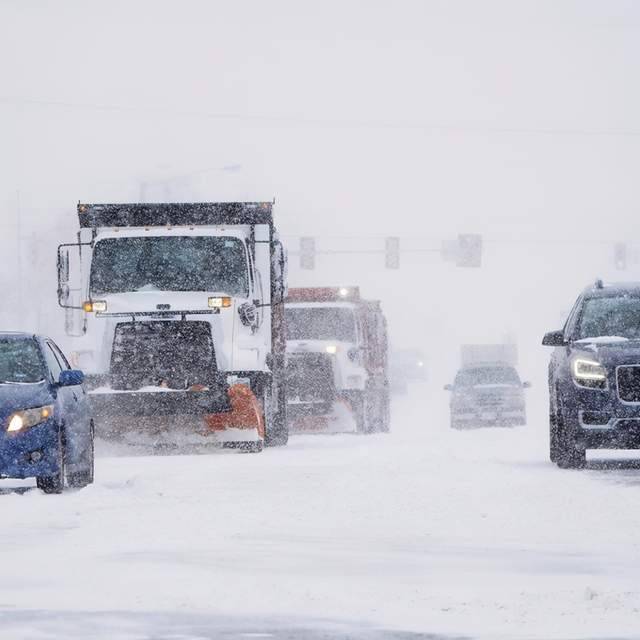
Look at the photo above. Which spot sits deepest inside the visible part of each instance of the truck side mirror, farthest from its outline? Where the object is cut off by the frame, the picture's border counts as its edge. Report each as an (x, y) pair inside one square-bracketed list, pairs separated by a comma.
[(554, 339), (69, 274)]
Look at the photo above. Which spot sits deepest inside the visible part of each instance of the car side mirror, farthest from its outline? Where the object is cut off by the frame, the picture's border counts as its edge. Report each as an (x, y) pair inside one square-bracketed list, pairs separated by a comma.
[(526, 385), (448, 387), (554, 339), (71, 378)]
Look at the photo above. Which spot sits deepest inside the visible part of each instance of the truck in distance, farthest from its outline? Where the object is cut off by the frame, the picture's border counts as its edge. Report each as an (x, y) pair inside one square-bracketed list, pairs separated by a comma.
[(336, 352), (175, 312)]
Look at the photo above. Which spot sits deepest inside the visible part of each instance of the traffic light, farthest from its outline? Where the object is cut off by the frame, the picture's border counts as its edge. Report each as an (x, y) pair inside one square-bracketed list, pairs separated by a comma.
[(469, 252), (620, 255), (307, 252), (392, 253)]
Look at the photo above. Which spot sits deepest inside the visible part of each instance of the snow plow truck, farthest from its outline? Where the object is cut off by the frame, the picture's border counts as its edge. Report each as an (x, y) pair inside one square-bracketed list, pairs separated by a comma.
[(336, 354), (175, 313)]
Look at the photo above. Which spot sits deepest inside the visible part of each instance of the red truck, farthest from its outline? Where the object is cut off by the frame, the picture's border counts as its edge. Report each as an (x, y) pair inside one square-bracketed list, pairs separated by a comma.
[(337, 351)]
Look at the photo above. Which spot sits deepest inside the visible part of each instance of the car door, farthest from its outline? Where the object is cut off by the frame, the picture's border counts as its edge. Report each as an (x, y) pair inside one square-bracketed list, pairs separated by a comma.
[(79, 418), (64, 401)]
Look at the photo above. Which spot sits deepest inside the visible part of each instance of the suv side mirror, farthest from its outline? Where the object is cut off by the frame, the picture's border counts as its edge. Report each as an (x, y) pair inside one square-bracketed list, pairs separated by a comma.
[(526, 385), (554, 339), (448, 387), (71, 378)]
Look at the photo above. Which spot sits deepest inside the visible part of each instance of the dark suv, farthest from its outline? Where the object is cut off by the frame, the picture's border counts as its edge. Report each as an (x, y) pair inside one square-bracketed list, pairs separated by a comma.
[(594, 375)]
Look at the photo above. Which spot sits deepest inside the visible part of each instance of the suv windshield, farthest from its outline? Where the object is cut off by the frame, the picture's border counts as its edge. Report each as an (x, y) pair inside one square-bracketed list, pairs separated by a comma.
[(613, 316), (479, 376), (20, 361), (321, 323), (183, 263)]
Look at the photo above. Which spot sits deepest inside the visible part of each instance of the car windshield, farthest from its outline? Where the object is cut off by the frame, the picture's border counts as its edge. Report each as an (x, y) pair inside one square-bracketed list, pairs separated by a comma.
[(321, 323), (183, 263), (612, 316), (479, 376), (20, 361)]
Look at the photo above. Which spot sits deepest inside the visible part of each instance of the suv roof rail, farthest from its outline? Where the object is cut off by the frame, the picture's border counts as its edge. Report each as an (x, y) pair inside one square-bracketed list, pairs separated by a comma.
[(599, 284)]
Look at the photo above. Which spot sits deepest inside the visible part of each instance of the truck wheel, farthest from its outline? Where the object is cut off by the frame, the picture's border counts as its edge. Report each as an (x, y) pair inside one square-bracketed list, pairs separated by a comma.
[(55, 483), (385, 421), (277, 428), (361, 407), (568, 454)]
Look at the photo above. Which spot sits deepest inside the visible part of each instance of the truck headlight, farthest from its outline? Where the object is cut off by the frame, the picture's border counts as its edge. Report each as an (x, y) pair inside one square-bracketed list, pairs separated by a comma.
[(97, 306), (22, 420), (219, 302), (589, 373), (332, 349)]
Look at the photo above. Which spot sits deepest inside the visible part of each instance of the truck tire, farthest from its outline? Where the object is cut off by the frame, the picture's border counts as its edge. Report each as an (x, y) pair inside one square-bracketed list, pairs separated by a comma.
[(380, 414), (363, 405), (276, 426), (385, 425)]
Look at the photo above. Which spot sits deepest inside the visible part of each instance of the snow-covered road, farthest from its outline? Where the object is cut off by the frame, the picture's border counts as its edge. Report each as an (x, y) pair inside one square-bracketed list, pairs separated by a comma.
[(463, 534)]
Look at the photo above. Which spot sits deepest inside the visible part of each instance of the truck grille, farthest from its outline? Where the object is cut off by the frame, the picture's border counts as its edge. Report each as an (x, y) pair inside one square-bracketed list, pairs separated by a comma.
[(170, 353), (628, 378), (310, 377)]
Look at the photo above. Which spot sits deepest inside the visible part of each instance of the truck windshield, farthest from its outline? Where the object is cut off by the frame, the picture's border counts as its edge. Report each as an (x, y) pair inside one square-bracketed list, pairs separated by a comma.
[(479, 376), (615, 316), (321, 323), (182, 263), (20, 362)]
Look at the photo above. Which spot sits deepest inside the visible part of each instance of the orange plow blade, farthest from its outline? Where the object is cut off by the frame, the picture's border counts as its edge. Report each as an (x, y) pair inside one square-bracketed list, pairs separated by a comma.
[(246, 412)]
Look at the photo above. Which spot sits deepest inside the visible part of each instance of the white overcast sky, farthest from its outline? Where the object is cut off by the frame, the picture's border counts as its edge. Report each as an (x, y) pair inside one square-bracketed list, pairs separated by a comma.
[(491, 116)]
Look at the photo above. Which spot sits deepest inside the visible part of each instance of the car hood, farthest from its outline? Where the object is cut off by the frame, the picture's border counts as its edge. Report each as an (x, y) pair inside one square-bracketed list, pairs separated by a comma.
[(609, 352), (14, 397)]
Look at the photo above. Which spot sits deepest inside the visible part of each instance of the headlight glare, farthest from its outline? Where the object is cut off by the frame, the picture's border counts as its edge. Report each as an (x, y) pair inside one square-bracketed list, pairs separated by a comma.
[(21, 420), (585, 369)]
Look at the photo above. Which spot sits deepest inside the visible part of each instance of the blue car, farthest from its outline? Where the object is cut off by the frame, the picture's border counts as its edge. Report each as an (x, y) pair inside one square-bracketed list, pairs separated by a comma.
[(46, 429)]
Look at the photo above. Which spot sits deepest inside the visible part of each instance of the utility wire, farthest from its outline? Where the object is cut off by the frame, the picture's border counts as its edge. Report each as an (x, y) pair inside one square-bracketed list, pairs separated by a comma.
[(338, 123)]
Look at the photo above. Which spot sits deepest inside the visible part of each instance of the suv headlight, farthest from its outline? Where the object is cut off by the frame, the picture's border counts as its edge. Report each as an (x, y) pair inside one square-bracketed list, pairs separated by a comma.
[(22, 420), (589, 373)]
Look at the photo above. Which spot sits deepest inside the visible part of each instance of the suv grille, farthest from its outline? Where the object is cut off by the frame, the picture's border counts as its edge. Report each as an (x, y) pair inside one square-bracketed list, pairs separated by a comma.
[(628, 377)]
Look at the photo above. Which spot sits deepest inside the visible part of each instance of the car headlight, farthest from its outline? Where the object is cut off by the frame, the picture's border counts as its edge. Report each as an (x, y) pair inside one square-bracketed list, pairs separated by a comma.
[(589, 372), (22, 420), (331, 349)]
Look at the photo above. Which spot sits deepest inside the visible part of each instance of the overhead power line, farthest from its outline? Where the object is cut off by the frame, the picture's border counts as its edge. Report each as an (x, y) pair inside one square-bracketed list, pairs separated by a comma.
[(277, 120)]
